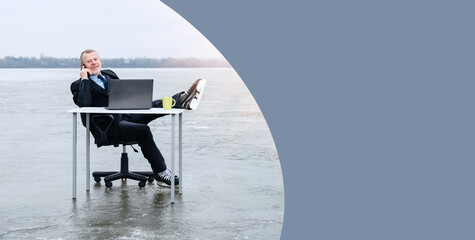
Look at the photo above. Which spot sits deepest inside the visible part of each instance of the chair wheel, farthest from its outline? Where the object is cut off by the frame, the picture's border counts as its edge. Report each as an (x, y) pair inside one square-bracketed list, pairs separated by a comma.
[(142, 184), (150, 179), (108, 184), (97, 179)]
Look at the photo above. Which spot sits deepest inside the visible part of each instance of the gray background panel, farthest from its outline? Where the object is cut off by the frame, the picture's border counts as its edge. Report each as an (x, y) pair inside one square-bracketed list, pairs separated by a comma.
[(377, 141)]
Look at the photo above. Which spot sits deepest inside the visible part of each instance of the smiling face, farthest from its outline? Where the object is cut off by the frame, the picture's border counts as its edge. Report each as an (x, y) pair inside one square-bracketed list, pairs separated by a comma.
[(92, 62)]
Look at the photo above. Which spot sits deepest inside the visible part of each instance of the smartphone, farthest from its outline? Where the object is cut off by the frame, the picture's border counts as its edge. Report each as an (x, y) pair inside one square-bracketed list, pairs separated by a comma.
[(84, 65)]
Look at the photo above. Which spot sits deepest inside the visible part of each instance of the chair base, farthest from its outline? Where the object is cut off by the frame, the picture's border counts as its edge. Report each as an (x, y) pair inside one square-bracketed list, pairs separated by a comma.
[(124, 173), (142, 177)]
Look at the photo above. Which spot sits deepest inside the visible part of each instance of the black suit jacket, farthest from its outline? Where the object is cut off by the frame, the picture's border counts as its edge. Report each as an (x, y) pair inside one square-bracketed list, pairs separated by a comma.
[(86, 93)]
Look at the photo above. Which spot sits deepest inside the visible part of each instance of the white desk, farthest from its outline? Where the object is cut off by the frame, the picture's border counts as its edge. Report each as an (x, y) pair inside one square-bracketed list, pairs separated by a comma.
[(88, 110)]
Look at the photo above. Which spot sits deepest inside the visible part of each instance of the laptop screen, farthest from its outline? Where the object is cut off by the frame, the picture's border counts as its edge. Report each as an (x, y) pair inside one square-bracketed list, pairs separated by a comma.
[(130, 94)]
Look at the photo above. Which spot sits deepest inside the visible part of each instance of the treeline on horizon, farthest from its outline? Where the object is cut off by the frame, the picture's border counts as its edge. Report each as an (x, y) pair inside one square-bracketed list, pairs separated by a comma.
[(52, 62)]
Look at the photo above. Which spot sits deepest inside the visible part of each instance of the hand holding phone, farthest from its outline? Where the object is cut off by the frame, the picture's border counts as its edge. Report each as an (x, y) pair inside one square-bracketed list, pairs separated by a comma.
[(84, 73)]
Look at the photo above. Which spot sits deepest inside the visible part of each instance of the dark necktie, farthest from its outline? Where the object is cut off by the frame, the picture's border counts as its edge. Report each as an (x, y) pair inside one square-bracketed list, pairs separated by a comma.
[(104, 81)]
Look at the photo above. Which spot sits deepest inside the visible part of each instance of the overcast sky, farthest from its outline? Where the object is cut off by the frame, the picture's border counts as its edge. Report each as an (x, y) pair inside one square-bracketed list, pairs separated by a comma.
[(115, 28)]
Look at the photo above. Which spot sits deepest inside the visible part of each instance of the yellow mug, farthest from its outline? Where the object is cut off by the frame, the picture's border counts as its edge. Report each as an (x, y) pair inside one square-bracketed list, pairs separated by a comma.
[(168, 103)]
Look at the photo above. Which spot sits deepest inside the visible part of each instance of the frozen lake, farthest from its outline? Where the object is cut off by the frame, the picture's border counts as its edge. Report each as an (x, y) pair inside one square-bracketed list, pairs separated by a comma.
[(233, 187)]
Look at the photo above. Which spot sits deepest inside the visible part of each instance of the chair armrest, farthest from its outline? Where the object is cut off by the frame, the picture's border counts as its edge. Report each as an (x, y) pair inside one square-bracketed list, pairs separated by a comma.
[(102, 123)]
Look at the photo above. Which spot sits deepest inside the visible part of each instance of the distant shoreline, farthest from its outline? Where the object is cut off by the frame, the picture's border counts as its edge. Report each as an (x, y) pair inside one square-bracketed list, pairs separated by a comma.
[(51, 62)]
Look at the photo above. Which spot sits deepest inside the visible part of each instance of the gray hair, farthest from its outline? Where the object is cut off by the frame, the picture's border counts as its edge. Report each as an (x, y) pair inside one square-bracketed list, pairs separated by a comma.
[(87, 51)]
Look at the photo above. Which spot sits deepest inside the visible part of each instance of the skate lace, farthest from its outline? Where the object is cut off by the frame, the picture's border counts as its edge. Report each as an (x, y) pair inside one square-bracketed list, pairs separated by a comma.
[(193, 86), (167, 175)]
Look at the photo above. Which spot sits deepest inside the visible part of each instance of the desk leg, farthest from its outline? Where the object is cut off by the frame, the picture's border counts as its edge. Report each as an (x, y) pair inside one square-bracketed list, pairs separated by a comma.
[(180, 153), (75, 147), (173, 160), (88, 152)]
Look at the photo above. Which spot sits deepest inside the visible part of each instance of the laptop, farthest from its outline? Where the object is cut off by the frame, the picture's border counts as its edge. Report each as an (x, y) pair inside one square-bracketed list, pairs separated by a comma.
[(130, 94)]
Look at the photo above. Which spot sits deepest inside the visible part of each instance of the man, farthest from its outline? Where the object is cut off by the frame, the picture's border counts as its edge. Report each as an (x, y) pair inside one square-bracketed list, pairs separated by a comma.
[(91, 91)]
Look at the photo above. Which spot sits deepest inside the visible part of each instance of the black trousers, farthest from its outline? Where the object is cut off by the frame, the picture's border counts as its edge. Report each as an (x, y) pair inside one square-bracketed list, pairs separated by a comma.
[(134, 127)]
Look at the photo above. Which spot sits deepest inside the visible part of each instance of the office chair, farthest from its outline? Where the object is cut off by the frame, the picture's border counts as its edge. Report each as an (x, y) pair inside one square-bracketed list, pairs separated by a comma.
[(124, 172)]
